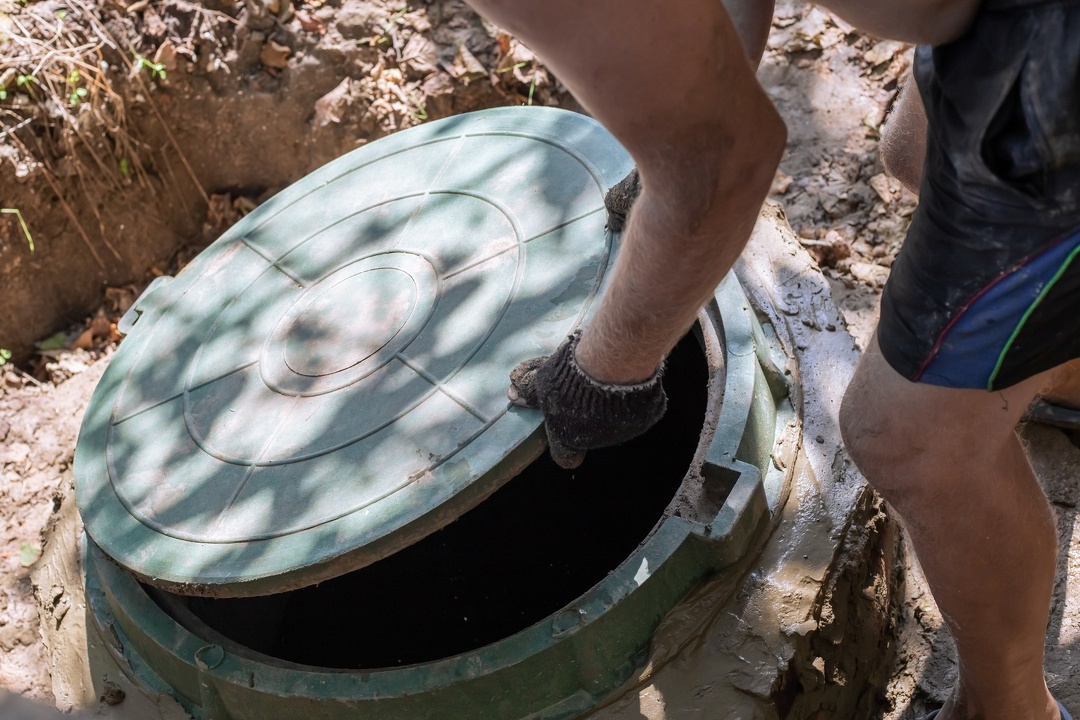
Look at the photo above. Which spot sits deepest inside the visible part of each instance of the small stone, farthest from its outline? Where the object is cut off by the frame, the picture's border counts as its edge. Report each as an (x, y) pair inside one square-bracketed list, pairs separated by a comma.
[(781, 183), (356, 21), (873, 275), (112, 694), (886, 187), (15, 454)]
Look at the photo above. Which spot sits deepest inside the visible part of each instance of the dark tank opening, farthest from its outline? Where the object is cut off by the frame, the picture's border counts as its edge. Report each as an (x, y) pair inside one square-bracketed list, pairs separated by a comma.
[(533, 547)]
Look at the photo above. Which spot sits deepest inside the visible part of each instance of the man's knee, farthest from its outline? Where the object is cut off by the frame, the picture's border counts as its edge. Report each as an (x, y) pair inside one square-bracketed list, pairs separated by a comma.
[(871, 436), (903, 138), (899, 456), (713, 163), (907, 437)]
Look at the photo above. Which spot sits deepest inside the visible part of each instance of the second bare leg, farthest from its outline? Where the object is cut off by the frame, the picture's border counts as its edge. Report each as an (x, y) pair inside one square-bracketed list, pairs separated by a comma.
[(950, 463)]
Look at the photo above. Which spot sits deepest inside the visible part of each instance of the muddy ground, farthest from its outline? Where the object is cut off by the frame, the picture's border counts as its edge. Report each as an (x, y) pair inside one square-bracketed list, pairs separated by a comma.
[(195, 113)]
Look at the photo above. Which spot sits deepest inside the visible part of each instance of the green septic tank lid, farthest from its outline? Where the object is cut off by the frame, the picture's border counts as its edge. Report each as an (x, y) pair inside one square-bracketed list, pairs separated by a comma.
[(326, 383)]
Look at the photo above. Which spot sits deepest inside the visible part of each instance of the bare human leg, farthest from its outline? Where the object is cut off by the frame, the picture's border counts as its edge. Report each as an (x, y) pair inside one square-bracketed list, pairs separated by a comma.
[(705, 138), (752, 20), (950, 463), (1063, 387), (903, 138)]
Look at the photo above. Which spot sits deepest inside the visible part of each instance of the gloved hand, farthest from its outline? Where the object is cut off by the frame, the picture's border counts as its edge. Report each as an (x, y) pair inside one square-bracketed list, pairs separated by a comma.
[(620, 198), (580, 413)]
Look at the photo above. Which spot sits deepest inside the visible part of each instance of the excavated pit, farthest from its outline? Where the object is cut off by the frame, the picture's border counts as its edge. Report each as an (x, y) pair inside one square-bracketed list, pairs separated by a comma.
[(533, 547)]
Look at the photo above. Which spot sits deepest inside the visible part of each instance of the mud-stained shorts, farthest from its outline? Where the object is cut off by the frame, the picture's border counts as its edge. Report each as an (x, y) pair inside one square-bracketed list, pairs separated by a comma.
[(986, 289)]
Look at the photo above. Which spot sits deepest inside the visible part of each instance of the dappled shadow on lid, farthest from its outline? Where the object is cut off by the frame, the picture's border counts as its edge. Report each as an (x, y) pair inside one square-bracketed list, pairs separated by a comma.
[(532, 548)]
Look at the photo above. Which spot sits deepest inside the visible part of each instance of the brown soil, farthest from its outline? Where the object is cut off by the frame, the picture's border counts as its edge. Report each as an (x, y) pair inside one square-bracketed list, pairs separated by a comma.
[(132, 180), (193, 113)]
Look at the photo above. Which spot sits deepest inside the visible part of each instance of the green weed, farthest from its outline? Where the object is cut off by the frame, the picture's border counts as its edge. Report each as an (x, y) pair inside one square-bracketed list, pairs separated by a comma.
[(22, 224), (59, 341), (78, 93), (26, 83), (532, 83), (157, 70), (421, 111), (385, 37), (513, 67)]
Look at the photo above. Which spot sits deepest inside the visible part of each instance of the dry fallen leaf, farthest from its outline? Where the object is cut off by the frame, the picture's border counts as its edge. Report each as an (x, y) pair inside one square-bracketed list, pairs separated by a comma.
[(153, 25), (883, 52), (220, 213), (274, 55), (883, 186), (99, 326), (85, 341), (807, 34), (870, 274), (119, 299), (28, 554), (421, 55), (244, 205), (309, 22), (781, 183), (829, 252), (330, 108), (166, 56), (466, 67)]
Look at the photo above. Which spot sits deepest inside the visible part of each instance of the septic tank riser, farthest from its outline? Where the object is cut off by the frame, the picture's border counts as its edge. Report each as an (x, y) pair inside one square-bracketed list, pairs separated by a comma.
[(560, 667)]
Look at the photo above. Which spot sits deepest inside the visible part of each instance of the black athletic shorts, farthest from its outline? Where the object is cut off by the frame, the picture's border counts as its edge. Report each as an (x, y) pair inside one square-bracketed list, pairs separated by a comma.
[(986, 289)]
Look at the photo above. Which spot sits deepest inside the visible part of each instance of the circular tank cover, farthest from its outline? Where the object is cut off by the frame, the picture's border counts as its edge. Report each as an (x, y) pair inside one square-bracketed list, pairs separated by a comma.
[(326, 383)]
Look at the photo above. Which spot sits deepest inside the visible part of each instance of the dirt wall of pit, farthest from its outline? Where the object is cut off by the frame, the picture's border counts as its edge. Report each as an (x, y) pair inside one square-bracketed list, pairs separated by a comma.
[(211, 109)]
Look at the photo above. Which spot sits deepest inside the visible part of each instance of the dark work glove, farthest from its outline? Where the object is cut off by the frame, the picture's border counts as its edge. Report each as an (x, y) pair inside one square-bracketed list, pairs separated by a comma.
[(580, 413), (619, 200)]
